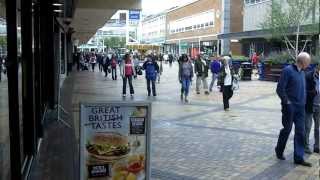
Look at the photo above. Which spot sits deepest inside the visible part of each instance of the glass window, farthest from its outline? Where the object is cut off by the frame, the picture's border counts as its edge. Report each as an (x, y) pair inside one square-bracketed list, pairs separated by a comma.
[(211, 23), (202, 25), (198, 26), (4, 111), (207, 24)]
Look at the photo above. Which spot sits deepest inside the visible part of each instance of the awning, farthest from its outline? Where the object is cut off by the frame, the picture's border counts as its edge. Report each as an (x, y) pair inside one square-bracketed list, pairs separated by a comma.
[(91, 15)]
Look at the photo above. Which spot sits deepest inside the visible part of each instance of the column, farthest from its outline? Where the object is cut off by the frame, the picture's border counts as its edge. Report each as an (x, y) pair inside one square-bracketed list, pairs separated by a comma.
[(14, 122), (225, 43), (29, 136)]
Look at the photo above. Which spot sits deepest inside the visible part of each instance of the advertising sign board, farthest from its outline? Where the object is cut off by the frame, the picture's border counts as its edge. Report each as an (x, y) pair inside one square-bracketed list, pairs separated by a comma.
[(115, 141)]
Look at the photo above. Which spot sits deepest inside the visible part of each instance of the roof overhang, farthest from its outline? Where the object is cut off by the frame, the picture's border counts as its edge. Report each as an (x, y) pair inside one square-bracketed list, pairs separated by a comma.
[(91, 15)]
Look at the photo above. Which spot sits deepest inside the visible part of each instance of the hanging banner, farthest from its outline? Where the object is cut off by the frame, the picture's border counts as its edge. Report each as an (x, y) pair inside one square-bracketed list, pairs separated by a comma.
[(134, 14), (115, 141)]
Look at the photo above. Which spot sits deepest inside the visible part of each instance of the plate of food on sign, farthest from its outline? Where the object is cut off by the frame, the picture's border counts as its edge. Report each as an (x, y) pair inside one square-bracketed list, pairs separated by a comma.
[(131, 168)]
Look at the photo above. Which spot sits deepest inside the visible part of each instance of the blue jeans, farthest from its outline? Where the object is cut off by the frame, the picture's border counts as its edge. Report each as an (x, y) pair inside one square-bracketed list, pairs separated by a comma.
[(185, 86), (292, 114)]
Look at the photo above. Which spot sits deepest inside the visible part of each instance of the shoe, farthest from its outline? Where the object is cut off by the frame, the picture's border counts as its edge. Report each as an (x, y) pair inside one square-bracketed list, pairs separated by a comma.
[(303, 163), (279, 156), (186, 100), (206, 93), (227, 109), (132, 95), (316, 150), (154, 95), (149, 95), (308, 151), (181, 97), (124, 95), (198, 92)]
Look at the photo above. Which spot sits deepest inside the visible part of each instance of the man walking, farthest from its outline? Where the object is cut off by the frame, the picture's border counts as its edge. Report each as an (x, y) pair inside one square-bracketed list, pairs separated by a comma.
[(215, 69), (292, 91), (152, 68), (312, 109), (201, 70)]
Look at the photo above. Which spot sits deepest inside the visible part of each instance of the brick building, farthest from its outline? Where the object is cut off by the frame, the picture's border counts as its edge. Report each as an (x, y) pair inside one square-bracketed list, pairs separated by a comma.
[(194, 27)]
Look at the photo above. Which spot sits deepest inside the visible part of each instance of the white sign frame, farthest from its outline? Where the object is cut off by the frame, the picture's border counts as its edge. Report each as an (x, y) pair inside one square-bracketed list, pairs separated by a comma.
[(120, 104)]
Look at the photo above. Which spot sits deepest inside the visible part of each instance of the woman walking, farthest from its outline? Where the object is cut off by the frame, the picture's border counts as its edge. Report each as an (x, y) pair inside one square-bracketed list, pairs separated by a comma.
[(114, 67), (93, 61), (185, 76), (127, 71), (225, 81)]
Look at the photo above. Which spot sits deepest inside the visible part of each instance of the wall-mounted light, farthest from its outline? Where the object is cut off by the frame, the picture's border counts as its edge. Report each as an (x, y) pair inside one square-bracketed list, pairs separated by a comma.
[(234, 40), (57, 4), (57, 10)]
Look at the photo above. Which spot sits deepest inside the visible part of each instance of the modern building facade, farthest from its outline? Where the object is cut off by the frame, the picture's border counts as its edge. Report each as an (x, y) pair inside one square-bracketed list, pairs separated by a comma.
[(153, 29), (193, 28), (254, 38)]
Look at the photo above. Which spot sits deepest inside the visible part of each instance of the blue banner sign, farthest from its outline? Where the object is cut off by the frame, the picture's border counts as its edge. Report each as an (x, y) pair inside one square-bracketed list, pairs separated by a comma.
[(134, 14)]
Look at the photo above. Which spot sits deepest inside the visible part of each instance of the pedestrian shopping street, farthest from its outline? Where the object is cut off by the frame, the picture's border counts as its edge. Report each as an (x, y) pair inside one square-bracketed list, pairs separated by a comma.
[(198, 140)]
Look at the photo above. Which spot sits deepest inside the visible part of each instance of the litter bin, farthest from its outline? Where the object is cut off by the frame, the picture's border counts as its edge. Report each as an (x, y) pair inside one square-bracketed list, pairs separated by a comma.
[(246, 71), (261, 71)]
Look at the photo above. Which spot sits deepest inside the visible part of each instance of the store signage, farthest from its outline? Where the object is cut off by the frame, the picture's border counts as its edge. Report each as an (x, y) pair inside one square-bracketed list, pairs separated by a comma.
[(115, 140), (134, 15)]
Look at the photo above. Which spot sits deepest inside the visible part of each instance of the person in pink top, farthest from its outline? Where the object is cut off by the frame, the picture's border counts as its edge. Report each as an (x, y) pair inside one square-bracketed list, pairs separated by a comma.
[(127, 71)]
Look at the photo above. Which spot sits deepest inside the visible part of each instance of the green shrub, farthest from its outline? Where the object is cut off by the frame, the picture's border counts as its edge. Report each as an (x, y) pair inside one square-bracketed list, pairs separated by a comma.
[(279, 58), (240, 58)]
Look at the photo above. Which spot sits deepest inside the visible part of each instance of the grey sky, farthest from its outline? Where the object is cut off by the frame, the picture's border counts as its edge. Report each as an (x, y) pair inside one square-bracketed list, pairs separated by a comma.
[(156, 6)]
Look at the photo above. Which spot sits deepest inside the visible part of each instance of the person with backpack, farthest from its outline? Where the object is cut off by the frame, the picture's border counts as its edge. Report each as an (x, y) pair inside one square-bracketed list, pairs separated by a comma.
[(127, 71), (185, 76), (151, 68), (201, 69), (215, 69), (114, 63)]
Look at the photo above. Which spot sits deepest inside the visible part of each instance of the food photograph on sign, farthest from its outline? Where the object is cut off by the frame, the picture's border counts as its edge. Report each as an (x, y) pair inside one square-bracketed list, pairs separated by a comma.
[(113, 143)]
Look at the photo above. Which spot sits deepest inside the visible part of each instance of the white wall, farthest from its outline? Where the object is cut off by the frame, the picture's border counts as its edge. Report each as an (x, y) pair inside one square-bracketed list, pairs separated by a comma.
[(255, 14)]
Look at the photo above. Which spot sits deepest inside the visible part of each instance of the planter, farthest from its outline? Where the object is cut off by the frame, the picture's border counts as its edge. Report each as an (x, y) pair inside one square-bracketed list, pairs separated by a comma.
[(272, 72)]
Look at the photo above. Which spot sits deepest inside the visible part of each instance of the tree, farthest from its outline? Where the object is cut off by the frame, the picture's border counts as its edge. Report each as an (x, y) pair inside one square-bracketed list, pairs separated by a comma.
[(3, 41), (290, 17), (115, 42)]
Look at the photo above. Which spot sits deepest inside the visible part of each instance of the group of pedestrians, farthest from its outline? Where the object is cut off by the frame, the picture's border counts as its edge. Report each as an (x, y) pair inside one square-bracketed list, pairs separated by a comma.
[(300, 101), (222, 74)]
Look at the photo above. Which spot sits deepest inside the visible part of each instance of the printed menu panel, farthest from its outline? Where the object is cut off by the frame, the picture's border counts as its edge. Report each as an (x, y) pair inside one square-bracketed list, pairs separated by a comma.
[(115, 141)]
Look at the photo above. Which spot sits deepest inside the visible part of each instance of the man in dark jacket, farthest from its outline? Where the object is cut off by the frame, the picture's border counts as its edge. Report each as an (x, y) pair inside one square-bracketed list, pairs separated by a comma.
[(292, 91), (215, 70), (152, 68), (201, 69), (312, 108)]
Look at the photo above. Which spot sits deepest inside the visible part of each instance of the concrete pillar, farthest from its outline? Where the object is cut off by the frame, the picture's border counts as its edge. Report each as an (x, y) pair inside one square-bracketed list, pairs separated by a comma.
[(226, 28)]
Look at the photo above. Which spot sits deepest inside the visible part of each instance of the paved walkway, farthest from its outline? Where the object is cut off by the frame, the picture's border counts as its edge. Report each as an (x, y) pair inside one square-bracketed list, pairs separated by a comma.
[(199, 140)]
